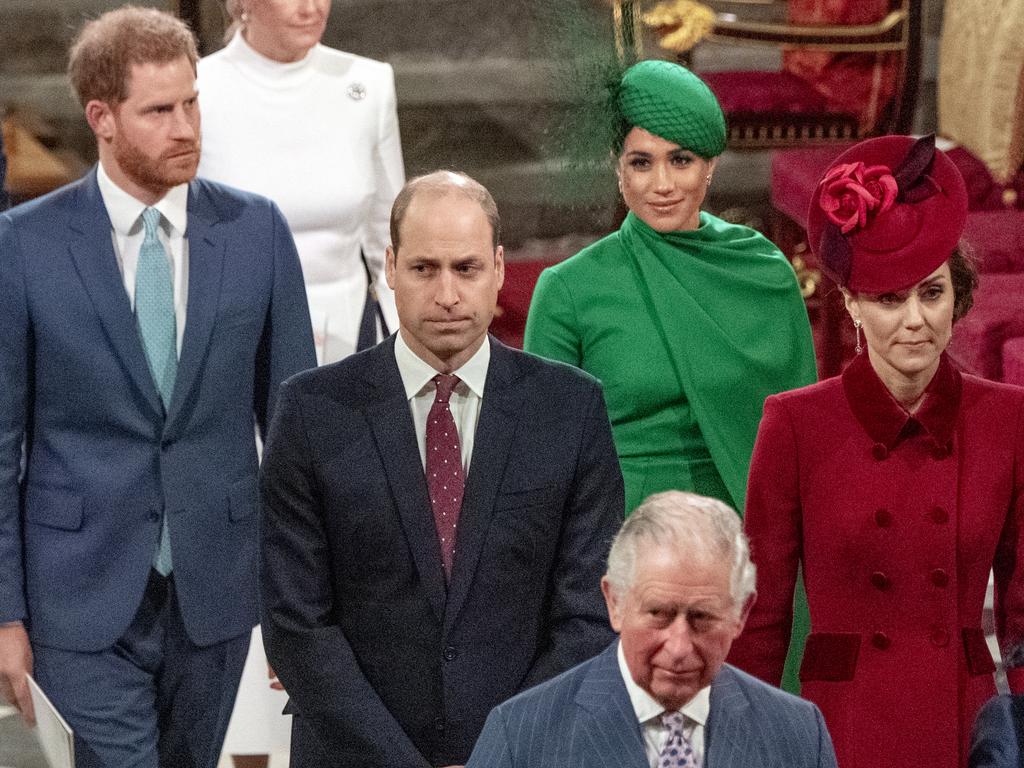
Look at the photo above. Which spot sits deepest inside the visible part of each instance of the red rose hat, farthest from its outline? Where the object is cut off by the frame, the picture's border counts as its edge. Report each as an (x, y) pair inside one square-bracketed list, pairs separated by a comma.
[(887, 213)]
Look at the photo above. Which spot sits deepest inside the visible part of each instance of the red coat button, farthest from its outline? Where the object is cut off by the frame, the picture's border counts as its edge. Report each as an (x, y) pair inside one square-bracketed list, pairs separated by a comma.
[(883, 517), (938, 515), (939, 637), (880, 581), (880, 640), (940, 578), (879, 451), (939, 452)]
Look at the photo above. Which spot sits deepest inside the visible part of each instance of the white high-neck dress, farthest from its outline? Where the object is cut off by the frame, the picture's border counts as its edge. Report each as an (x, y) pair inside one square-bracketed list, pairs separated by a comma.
[(320, 138)]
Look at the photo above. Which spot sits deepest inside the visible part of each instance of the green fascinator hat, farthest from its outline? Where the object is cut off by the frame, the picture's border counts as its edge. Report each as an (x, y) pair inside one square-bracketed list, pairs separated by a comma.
[(668, 100)]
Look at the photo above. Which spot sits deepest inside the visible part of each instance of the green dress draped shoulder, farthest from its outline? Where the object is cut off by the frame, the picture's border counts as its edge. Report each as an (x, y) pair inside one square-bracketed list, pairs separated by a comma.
[(688, 333)]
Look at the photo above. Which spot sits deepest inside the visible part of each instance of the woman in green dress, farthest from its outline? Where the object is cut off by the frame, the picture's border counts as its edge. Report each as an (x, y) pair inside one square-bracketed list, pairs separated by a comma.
[(688, 321)]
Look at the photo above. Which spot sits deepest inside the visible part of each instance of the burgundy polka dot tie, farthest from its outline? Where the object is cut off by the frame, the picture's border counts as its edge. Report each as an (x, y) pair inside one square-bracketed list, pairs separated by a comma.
[(678, 751), (444, 468)]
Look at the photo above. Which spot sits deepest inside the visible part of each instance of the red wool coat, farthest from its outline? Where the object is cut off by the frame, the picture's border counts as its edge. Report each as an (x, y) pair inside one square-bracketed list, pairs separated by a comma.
[(897, 521)]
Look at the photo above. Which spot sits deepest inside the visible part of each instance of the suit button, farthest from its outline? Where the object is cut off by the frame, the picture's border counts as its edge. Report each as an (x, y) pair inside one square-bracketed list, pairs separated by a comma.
[(450, 653), (939, 637), (154, 516), (439, 725), (940, 578), (879, 451), (883, 518), (880, 581), (938, 515), (880, 640)]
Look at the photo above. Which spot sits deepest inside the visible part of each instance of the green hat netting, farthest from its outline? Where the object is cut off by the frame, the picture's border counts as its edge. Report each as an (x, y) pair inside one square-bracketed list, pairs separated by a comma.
[(670, 101)]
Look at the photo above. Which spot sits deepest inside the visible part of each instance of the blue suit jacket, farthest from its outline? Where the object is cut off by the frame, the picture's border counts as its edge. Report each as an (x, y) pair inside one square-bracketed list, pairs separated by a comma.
[(998, 736), (387, 667), (80, 523), (584, 718)]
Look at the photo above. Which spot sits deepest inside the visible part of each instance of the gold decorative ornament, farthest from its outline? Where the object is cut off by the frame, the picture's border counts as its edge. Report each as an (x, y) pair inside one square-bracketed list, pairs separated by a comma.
[(680, 24)]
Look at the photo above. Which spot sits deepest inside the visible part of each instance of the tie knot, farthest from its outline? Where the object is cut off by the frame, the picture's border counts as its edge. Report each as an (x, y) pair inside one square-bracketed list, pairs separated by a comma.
[(674, 721), (445, 383), (150, 221)]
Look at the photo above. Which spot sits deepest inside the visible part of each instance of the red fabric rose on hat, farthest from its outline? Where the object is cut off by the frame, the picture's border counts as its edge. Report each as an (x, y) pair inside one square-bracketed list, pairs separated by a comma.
[(850, 192)]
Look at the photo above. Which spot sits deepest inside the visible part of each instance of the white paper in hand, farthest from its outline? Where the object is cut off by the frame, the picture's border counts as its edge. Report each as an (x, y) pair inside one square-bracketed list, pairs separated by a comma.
[(55, 736)]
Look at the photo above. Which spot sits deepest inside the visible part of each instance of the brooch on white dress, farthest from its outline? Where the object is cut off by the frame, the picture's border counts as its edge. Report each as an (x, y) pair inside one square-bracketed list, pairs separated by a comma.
[(357, 91)]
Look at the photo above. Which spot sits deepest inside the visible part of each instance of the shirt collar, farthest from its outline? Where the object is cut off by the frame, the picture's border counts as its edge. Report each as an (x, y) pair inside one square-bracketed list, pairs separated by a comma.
[(416, 373), (647, 708), (886, 421), (124, 210)]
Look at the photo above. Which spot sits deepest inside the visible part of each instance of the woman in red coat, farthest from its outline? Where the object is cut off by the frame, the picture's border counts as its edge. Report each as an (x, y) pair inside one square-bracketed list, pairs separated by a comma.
[(897, 486)]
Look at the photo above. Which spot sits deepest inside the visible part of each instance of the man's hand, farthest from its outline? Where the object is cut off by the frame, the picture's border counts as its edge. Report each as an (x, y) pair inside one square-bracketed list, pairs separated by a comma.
[(15, 664), (272, 676)]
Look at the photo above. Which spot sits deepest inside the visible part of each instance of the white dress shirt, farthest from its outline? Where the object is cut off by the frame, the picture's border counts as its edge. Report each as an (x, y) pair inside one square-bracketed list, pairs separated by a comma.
[(128, 233), (465, 401), (648, 713)]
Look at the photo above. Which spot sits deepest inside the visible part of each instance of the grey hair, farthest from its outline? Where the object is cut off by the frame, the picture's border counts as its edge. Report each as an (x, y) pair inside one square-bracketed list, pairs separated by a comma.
[(698, 527)]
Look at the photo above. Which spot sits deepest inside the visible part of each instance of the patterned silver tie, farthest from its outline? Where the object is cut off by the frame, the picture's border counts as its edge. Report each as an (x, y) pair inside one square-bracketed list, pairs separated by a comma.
[(678, 751), (154, 313)]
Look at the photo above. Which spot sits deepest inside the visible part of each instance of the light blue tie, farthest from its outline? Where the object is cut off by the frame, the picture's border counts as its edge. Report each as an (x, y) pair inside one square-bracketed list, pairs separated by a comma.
[(154, 312)]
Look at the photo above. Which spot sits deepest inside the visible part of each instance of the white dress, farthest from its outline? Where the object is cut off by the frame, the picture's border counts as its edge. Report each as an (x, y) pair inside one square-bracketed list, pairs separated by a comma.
[(320, 138)]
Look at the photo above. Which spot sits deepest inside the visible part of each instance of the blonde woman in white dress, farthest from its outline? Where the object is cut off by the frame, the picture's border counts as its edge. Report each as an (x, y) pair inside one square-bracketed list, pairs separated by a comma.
[(316, 130)]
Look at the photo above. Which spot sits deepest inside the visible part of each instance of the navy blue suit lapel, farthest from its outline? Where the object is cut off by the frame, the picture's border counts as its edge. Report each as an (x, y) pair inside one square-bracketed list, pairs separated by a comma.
[(92, 250), (205, 268), (395, 434), (729, 739), (495, 430), (608, 733)]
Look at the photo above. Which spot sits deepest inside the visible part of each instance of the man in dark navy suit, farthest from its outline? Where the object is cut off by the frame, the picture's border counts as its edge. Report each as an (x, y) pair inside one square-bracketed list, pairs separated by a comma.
[(148, 319), (436, 512)]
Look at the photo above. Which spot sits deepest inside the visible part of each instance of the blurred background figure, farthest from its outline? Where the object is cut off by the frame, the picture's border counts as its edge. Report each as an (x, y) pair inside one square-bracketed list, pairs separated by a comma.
[(315, 130), (897, 485), (998, 737)]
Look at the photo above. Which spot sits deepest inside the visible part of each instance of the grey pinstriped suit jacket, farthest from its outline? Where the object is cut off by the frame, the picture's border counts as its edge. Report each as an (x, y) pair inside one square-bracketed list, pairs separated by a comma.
[(584, 717)]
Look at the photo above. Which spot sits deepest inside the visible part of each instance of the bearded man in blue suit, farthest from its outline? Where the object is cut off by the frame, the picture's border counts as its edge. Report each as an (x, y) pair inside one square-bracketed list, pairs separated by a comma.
[(148, 318), (679, 586)]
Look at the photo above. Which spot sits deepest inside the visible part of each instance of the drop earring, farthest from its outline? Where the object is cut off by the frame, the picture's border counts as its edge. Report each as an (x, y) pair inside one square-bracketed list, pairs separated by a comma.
[(856, 325), (708, 179)]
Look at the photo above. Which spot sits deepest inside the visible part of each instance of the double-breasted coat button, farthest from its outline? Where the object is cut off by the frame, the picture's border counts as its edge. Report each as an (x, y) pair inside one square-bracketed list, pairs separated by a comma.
[(154, 516), (450, 653), (883, 518), (939, 577), (439, 725), (939, 515), (939, 637), (880, 640), (940, 452), (879, 451), (880, 581)]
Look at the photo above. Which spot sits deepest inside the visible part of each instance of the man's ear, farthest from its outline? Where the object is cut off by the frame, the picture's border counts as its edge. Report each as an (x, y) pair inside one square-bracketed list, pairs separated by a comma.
[(390, 259), (499, 265), (745, 613), (101, 119), (613, 601)]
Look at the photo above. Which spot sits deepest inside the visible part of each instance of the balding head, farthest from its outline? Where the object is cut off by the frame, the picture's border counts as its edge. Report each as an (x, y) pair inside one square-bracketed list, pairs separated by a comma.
[(440, 184)]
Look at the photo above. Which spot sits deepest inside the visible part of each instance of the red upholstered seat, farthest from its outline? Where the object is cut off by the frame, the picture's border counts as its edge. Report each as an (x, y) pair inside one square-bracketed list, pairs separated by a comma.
[(781, 93), (979, 338)]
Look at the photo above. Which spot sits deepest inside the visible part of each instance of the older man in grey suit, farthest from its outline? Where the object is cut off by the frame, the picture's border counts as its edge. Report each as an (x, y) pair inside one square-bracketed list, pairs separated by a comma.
[(678, 587)]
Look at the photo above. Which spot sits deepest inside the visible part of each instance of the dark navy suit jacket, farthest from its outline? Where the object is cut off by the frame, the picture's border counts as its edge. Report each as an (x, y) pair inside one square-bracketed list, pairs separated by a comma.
[(103, 462), (584, 719), (998, 736), (386, 667)]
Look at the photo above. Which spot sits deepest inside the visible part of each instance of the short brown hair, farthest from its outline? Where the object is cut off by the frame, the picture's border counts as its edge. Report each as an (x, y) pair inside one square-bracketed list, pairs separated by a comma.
[(963, 274), (105, 49), (445, 183)]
